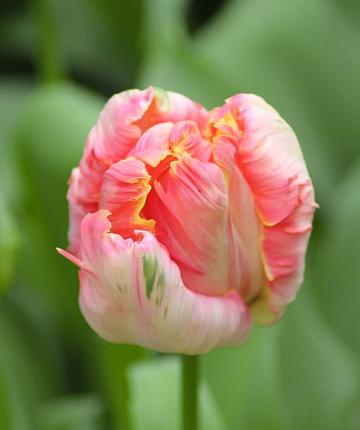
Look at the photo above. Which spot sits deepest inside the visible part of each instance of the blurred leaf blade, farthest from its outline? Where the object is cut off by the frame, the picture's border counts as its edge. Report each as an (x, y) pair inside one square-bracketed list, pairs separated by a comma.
[(24, 379), (246, 380), (322, 387), (81, 412), (336, 280), (114, 362), (9, 242), (155, 395), (50, 135), (13, 93)]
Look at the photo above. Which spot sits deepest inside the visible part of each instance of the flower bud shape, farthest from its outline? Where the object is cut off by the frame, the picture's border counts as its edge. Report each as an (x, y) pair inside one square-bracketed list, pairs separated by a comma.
[(188, 225)]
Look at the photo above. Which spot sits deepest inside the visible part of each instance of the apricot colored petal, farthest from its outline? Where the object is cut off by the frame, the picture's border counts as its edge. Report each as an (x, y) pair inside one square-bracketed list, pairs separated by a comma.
[(189, 204), (131, 292), (185, 137), (284, 248), (224, 156), (110, 140), (246, 267), (176, 107), (125, 117), (165, 139), (123, 192), (270, 159), (77, 210), (153, 146), (114, 135)]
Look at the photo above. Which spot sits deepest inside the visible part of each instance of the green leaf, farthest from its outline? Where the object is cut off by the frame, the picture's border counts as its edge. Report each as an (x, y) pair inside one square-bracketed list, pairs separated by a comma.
[(52, 128), (155, 397), (51, 132), (114, 361), (102, 47), (337, 268), (81, 412), (25, 379), (9, 241), (5, 409), (13, 93), (50, 136), (172, 61), (246, 382), (320, 377)]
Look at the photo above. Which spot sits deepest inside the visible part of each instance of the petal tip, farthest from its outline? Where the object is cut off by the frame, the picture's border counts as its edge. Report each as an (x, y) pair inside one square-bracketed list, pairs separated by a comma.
[(69, 256)]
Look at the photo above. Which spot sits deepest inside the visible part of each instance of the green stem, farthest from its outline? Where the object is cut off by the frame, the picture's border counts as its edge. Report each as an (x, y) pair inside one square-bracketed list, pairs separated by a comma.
[(190, 368)]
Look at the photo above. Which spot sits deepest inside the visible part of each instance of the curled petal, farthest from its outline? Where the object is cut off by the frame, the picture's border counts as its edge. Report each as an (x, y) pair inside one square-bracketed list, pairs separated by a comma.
[(121, 123), (118, 126), (110, 140), (153, 146), (176, 107), (127, 115), (270, 159), (78, 209), (284, 247), (189, 203), (168, 139), (185, 137), (123, 193), (131, 292), (114, 135), (246, 266)]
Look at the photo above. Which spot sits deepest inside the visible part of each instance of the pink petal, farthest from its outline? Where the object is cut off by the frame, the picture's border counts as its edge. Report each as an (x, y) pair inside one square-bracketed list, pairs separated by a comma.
[(77, 210), (130, 113), (153, 146), (244, 239), (270, 159), (284, 247), (162, 140), (124, 192), (121, 123), (190, 206), (176, 107), (186, 138), (246, 271), (133, 293)]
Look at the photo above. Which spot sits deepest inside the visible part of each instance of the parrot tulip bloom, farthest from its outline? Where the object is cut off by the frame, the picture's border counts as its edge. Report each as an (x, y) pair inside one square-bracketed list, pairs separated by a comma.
[(187, 225)]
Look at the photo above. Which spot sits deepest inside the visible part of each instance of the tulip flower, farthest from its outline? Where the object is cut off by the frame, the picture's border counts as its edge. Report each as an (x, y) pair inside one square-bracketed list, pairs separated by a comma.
[(188, 225)]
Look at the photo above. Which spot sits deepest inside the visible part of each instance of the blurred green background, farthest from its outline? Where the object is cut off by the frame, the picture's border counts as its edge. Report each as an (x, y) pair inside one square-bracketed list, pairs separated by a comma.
[(60, 60)]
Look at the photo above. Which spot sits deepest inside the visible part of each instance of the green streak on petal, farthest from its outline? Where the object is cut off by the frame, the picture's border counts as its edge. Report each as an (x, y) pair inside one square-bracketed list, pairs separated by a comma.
[(161, 281), (166, 311), (162, 99), (121, 287), (150, 268), (161, 289)]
